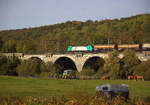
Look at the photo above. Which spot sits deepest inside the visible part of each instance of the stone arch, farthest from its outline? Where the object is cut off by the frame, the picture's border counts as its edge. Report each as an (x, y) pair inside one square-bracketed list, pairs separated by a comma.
[(62, 56), (94, 62), (65, 62), (36, 58)]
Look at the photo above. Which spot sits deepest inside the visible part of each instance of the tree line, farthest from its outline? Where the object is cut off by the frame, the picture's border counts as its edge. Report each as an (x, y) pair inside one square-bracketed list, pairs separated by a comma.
[(57, 37), (114, 67), (34, 67)]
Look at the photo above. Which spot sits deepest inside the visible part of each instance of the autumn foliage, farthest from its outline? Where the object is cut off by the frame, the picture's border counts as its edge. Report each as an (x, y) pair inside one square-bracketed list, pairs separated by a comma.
[(74, 99)]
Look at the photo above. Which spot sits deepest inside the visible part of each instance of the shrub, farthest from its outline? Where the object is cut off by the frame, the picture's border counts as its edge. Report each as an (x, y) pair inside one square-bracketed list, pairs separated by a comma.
[(143, 69), (87, 72), (31, 67), (8, 65)]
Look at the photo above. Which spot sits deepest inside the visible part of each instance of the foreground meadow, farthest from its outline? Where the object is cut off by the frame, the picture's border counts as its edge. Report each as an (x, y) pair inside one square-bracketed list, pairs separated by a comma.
[(40, 91), (37, 87)]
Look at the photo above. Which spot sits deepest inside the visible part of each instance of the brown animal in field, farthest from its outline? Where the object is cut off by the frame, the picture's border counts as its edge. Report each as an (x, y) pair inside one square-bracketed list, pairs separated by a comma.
[(139, 77), (105, 78), (131, 77)]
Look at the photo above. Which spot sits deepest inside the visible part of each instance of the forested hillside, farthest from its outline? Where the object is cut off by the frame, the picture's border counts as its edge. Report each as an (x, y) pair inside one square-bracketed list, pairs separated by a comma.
[(135, 29)]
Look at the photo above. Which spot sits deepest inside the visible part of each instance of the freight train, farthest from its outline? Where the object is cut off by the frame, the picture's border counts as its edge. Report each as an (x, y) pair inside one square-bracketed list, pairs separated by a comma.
[(110, 47)]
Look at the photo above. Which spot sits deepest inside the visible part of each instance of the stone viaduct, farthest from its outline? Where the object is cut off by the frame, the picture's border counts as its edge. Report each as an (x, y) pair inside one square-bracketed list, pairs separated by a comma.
[(79, 59)]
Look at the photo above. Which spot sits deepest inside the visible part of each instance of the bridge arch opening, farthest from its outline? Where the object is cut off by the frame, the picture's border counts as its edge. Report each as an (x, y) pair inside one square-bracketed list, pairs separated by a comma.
[(94, 63), (36, 58), (65, 63)]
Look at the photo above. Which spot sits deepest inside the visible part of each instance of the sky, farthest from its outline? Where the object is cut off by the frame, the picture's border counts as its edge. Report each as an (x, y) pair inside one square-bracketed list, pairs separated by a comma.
[(18, 14)]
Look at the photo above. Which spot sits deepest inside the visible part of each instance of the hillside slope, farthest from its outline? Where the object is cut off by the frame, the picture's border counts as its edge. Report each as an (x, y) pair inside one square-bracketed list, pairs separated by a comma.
[(57, 37)]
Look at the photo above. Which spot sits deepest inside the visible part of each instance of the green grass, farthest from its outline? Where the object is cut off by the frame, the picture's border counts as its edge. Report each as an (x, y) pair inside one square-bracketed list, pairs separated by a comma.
[(21, 87)]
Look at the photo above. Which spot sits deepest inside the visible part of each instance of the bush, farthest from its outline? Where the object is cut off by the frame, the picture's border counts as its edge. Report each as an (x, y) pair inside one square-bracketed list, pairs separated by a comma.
[(31, 67), (87, 72), (8, 65), (129, 61), (143, 69), (100, 72)]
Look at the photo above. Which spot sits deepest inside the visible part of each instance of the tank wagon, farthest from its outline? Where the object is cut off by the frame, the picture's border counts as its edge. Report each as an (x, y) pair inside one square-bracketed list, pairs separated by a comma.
[(121, 47), (146, 47), (101, 48)]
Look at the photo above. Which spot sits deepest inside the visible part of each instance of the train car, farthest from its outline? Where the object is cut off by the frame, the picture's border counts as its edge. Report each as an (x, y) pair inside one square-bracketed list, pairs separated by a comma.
[(104, 48), (146, 47), (128, 46), (88, 48)]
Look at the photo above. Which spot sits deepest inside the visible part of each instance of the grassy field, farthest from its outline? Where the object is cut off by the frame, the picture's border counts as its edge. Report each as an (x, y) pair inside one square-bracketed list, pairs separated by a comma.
[(36, 87)]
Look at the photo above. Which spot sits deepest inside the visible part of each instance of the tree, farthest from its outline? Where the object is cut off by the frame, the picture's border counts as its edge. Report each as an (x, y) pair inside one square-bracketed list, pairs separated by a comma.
[(128, 62), (9, 46), (3, 61), (33, 70), (37, 68), (126, 30), (143, 69), (94, 63), (19, 47), (8, 65), (1, 43), (55, 72), (87, 72), (29, 48), (23, 69), (112, 65), (101, 72)]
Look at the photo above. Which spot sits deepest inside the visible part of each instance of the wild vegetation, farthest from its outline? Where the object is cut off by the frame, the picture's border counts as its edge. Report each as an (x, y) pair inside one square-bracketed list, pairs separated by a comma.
[(8, 65), (82, 99), (57, 37)]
